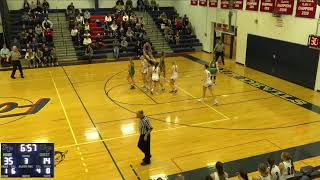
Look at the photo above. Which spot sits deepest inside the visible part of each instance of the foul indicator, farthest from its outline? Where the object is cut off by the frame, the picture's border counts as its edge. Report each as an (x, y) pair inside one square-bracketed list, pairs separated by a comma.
[(27, 160)]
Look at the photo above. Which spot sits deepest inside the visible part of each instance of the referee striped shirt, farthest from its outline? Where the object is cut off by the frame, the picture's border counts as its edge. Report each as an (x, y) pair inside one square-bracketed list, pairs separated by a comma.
[(144, 125)]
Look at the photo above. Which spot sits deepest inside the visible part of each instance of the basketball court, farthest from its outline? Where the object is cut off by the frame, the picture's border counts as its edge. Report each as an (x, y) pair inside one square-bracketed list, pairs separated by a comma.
[(90, 116)]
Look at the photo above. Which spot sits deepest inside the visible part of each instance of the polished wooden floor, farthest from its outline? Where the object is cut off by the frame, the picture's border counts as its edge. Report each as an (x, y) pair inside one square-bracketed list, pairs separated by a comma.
[(88, 100)]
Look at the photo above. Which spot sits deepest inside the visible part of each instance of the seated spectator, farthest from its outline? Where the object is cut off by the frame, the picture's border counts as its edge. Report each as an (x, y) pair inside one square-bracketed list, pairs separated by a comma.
[(38, 31), (185, 20), (146, 5), (33, 7), (220, 174), (286, 166), (243, 175), (26, 6), (54, 57), (75, 34), (140, 5), (86, 34), (16, 43), (133, 20), (114, 26), (177, 38), (26, 19), (38, 58), (154, 5), (163, 17), (125, 17), (119, 5), (108, 19), (87, 41), (30, 57), (30, 35), (120, 2), (86, 27), (34, 44), (88, 52), (179, 24), (70, 9), (5, 56), (86, 15), (99, 43), (124, 45), (47, 58), (130, 34), (46, 23), (23, 37), (45, 6), (48, 34), (129, 5), (39, 8), (263, 172), (79, 19), (116, 48), (188, 28)]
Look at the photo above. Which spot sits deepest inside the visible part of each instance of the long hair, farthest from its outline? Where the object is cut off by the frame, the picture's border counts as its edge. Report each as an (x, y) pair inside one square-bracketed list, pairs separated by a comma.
[(263, 169), (243, 174), (271, 163), (287, 157), (220, 171)]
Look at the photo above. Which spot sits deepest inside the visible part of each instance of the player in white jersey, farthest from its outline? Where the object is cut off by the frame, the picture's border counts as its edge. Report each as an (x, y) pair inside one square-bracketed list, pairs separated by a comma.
[(155, 78), (243, 175), (220, 174), (208, 84), (263, 173), (174, 77), (144, 71), (286, 166), (273, 169)]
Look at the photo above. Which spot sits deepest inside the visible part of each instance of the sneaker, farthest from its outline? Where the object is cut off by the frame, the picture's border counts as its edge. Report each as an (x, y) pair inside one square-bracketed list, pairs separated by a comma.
[(172, 91), (22, 76), (12, 77), (163, 89), (175, 91), (200, 99), (144, 163), (215, 103), (132, 87)]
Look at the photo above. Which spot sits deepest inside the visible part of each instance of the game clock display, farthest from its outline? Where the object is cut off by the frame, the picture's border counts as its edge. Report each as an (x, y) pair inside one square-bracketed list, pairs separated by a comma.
[(26, 160)]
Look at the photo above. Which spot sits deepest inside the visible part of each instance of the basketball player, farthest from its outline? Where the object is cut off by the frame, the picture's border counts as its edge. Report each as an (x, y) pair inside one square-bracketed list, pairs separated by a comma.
[(263, 171), (286, 166), (162, 70), (214, 69), (131, 73), (174, 77), (220, 174), (155, 78), (207, 84), (273, 169), (144, 71)]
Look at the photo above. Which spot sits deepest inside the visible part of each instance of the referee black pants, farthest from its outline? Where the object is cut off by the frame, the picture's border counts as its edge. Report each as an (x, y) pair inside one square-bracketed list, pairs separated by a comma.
[(16, 65), (144, 146), (220, 54)]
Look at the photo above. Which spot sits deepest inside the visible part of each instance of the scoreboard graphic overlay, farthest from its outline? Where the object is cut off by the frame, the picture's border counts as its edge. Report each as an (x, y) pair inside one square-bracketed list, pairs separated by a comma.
[(27, 160)]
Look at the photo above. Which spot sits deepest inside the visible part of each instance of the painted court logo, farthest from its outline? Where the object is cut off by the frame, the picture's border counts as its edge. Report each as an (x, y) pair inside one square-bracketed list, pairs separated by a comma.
[(17, 109)]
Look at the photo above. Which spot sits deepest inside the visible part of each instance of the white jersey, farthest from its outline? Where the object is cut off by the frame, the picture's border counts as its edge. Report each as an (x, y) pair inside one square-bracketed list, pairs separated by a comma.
[(155, 73), (144, 66), (268, 177), (288, 170), (216, 176), (174, 72), (275, 173), (207, 79)]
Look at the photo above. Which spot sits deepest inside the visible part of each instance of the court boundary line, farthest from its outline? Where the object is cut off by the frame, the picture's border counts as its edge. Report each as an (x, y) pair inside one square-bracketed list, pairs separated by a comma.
[(94, 125)]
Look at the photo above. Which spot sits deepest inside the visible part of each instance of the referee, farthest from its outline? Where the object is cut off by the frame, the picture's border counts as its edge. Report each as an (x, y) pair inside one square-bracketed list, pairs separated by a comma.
[(15, 56), (145, 129)]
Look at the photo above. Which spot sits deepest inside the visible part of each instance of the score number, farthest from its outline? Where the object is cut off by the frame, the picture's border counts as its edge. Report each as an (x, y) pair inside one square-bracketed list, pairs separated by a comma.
[(314, 41), (28, 148)]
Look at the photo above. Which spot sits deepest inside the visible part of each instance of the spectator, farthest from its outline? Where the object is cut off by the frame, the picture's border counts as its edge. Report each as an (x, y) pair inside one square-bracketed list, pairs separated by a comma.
[(119, 5), (188, 28), (125, 17), (38, 31), (179, 24), (120, 2), (286, 166), (163, 17), (263, 171), (243, 175), (273, 169), (75, 34), (39, 8), (86, 15), (34, 44), (154, 5), (47, 58), (129, 5), (99, 43), (108, 19), (54, 57), (86, 34), (26, 19), (26, 6), (48, 34), (39, 58), (177, 38), (220, 174), (30, 57), (16, 43), (146, 5), (33, 7), (140, 5), (87, 27), (46, 23), (70, 9), (79, 19), (30, 35), (130, 34), (88, 52), (124, 45), (87, 41), (116, 48), (114, 26), (45, 6), (5, 56), (185, 20)]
